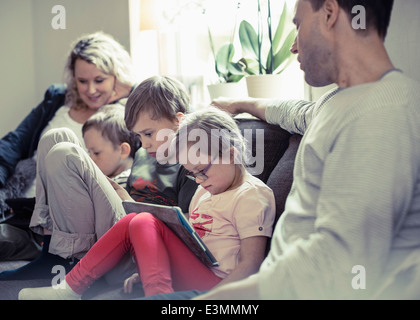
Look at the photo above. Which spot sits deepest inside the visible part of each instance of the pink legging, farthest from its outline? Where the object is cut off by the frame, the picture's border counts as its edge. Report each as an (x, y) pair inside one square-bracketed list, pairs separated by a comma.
[(164, 262)]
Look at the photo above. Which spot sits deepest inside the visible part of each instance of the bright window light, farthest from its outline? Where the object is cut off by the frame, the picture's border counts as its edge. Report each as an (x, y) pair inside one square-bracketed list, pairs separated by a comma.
[(170, 37)]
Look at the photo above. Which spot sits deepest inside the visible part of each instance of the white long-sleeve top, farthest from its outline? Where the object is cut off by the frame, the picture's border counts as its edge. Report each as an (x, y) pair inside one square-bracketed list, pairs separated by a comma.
[(355, 198)]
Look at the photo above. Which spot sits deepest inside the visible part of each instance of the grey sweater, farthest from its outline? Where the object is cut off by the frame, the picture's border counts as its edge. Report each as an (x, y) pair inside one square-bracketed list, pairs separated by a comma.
[(352, 219)]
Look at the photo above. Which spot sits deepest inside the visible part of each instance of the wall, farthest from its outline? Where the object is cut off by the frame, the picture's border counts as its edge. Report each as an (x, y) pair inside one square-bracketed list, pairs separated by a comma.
[(17, 81), (34, 54), (403, 39)]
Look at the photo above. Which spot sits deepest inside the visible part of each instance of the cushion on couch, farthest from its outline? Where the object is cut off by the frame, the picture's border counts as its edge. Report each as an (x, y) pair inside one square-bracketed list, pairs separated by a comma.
[(265, 142), (281, 178), (278, 152)]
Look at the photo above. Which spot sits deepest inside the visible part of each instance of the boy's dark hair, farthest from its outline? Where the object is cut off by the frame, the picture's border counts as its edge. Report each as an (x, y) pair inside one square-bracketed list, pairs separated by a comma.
[(378, 12), (161, 96), (109, 120)]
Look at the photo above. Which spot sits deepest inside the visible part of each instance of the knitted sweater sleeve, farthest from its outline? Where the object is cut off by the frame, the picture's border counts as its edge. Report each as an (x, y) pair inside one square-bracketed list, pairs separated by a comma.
[(295, 116)]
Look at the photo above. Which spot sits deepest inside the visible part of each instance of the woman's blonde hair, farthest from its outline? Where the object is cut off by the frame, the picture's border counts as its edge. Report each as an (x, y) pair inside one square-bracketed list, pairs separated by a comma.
[(106, 54)]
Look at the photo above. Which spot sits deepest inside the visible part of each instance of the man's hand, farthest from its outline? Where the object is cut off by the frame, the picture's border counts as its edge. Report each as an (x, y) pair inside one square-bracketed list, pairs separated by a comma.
[(253, 106), (227, 104)]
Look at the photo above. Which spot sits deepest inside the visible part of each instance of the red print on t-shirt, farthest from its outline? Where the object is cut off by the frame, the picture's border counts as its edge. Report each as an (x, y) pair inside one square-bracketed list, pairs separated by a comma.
[(141, 184), (205, 224)]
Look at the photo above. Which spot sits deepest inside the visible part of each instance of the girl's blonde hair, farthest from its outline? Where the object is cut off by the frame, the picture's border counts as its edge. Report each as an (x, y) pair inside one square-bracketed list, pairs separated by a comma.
[(218, 130), (106, 54)]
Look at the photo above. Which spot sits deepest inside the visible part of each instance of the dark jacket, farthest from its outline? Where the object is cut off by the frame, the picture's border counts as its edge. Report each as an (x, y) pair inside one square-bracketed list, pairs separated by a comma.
[(21, 143)]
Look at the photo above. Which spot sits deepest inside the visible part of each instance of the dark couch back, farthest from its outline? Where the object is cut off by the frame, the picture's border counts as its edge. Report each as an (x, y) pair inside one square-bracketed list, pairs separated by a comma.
[(276, 149)]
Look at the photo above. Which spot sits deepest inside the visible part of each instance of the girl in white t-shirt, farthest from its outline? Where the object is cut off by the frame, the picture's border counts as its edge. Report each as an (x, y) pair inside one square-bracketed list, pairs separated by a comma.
[(232, 211)]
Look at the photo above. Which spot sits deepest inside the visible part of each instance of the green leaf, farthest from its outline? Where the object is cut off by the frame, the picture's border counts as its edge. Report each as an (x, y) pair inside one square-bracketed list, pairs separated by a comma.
[(235, 78), (236, 68), (223, 57), (284, 53), (252, 66), (249, 40), (280, 29)]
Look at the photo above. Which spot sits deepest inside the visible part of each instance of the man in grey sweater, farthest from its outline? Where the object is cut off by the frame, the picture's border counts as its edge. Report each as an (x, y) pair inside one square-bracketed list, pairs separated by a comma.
[(351, 225)]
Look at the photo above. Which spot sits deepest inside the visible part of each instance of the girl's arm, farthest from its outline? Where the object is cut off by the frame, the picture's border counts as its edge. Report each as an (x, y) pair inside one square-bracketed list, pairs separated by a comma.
[(251, 255)]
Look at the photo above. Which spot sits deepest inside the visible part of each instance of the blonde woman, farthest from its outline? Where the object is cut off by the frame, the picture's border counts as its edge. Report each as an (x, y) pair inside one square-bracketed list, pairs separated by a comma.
[(97, 72)]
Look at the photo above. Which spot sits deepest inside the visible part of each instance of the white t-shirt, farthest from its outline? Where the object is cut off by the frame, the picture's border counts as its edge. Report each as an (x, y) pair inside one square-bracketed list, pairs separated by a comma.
[(61, 119)]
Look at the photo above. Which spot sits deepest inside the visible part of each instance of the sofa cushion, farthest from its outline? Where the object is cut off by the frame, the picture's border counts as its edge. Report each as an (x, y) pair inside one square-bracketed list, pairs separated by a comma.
[(265, 142), (281, 178)]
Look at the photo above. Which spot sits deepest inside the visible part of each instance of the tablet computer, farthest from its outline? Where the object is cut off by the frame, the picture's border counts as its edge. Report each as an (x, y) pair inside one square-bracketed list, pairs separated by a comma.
[(175, 219)]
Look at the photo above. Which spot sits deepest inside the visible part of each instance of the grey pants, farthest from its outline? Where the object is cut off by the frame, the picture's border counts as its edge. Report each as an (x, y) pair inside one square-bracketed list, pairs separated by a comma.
[(74, 199)]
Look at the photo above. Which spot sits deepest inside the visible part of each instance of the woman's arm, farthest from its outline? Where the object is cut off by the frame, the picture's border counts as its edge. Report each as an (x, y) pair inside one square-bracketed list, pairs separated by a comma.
[(22, 142), (121, 90)]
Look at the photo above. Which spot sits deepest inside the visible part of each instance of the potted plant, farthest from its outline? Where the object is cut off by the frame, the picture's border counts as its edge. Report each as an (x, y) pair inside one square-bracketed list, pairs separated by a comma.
[(264, 64), (229, 73)]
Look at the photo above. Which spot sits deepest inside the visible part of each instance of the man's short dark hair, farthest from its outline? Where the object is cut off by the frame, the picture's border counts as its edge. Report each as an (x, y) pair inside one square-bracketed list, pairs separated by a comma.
[(378, 12)]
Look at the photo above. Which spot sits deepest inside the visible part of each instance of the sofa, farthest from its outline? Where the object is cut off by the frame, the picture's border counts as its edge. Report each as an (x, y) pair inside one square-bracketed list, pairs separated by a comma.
[(270, 145)]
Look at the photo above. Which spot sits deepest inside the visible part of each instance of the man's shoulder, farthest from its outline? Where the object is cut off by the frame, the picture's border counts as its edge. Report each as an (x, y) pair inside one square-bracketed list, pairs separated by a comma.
[(396, 88), (399, 78)]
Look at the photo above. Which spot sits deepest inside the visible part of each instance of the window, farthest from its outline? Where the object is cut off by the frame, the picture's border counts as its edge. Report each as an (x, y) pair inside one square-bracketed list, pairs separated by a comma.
[(170, 37)]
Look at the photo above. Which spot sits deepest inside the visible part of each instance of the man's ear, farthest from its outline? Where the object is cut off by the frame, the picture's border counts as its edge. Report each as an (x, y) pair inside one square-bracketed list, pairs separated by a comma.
[(331, 10), (125, 150)]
